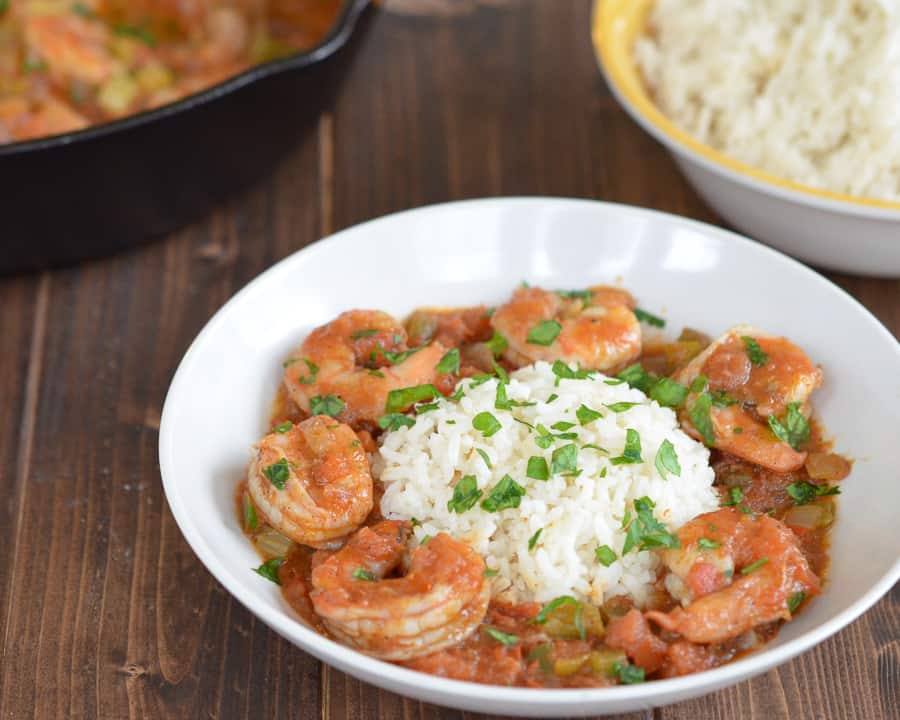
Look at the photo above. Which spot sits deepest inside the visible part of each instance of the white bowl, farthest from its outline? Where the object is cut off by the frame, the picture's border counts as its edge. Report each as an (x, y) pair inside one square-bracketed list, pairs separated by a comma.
[(478, 251), (828, 229)]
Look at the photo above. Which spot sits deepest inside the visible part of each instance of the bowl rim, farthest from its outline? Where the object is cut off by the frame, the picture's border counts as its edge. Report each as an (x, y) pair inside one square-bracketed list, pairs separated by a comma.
[(416, 684), (613, 24), (344, 24)]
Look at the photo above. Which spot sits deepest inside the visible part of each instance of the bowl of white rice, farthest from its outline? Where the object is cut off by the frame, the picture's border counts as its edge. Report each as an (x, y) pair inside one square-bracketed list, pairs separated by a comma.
[(783, 114)]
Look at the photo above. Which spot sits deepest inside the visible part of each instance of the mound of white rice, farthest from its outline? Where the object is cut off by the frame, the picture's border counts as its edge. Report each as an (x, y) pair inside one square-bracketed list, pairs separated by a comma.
[(806, 89), (420, 465)]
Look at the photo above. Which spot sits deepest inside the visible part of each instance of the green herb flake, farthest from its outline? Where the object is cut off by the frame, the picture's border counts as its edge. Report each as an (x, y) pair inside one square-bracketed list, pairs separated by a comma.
[(497, 344), (395, 421), (78, 8), (794, 430), (754, 351), (637, 378), (375, 373), (503, 638), (490, 572), (605, 555), (591, 446), (586, 415), (585, 295), (668, 392), (805, 492), (485, 457), (449, 363), (278, 473), (562, 425), (564, 459), (738, 431), (755, 566), (502, 401), (465, 495), (541, 653), (330, 405), (644, 531), (395, 358), (707, 544), (620, 407), (544, 333), (251, 521), (699, 384), (631, 454), (722, 399), (544, 614), (424, 540), (649, 318), (735, 496), (552, 397), (362, 574), (795, 600), (564, 372), (486, 424), (426, 407), (537, 468), (533, 540), (269, 569), (369, 332), (505, 494), (628, 674), (139, 33), (283, 427), (524, 422), (701, 420), (613, 382), (401, 399), (667, 460)]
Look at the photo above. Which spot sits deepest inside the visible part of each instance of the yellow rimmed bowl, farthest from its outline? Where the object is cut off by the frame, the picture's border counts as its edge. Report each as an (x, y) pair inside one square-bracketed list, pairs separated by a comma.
[(828, 229)]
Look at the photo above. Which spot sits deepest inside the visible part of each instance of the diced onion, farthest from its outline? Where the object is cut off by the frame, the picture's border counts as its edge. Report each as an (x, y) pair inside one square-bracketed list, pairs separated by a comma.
[(827, 466), (810, 517), (271, 543)]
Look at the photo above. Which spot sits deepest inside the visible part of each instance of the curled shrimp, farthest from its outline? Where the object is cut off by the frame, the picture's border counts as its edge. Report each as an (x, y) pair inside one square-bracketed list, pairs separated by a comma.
[(781, 374), (733, 572), (312, 482), (359, 357), (597, 330), (73, 47), (438, 602)]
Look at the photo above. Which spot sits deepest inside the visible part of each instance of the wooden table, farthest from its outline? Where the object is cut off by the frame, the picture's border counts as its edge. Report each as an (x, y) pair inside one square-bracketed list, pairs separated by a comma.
[(104, 610)]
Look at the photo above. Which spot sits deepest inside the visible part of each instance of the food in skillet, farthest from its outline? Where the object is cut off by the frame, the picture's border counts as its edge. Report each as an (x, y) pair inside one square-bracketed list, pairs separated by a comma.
[(65, 65), (539, 495)]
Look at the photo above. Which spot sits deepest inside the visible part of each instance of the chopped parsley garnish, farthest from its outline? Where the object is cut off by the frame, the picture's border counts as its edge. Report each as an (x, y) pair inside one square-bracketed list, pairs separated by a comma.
[(330, 405), (667, 460), (552, 397), (699, 384), (794, 430), (369, 332), (362, 574), (537, 468), (78, 8), (649, 318), (544, 333), (645, 532), (754, 566), (564, 459), (605, 555), (424, 540), (620, 407), (707, 544), (278, 473), (486, 424), (613, 382), (501, 374), (497, 344), (795, 600), (591, 446), (490, 572), (465, 495), (395, 421), (533, 540), (501, 637), (375, 373), (283, 427), (586, 415), (457, 396), (269, 569), (637, 377), (505, 494), (541, 653), (426, 407), (738, 431), (564, 372), (251, 521), (313, 371), (735, 496), (722, 399), (754, 351), (502, 401), (562, 425), (485, 457), (628, 674), (805, 492), (404, 397), (585, 295), (395, 358), (449, 363), (631, 454), (542, 616), (668, 392), (700, 418), (139, 33), (524, 422)]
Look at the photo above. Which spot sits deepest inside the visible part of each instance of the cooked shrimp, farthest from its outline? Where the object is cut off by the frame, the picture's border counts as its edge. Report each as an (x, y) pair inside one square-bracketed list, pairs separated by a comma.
[(312, 483), (599, 332), (72, 46), (781, 374), (350, 358), (733, 572), (438, 602)]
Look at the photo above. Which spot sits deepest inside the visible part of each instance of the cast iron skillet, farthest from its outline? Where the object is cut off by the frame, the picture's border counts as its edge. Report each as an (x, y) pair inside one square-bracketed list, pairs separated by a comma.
[(84, 194)]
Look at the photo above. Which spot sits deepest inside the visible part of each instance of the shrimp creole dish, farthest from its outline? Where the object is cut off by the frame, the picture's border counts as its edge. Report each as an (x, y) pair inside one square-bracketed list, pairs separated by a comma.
[(549, 493)]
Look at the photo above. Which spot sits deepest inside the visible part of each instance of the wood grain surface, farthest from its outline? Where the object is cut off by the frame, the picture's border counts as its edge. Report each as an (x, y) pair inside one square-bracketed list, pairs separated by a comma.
[(104, 610)]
